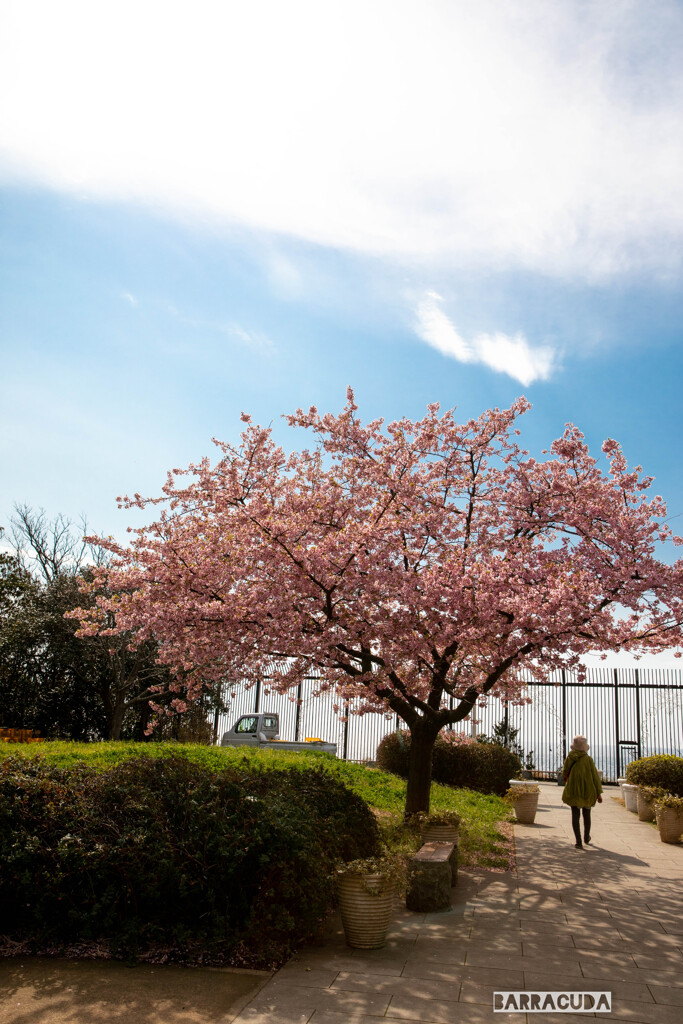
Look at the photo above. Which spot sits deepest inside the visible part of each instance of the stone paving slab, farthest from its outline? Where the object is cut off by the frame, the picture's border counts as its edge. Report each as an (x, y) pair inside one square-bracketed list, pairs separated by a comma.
[(669, 960), (339, 1017), (642, 1013), (606, 918)]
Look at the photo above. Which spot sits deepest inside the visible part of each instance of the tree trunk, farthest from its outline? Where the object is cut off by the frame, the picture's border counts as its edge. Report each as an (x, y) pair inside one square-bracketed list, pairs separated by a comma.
[(116, 719), (422, 738)]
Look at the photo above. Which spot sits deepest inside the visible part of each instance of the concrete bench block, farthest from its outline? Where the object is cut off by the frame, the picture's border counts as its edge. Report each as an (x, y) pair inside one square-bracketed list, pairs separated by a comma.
[(430, 877)]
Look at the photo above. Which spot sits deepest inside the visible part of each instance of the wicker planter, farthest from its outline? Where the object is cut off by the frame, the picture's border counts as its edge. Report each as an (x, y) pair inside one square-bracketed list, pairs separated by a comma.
[(440, 834), (646, 809), (670, 824), (365, 914), (525, 808), (630, 797)]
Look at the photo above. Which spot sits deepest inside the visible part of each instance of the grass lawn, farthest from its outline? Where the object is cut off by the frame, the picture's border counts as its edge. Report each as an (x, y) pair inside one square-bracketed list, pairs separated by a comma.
[(485, 832)]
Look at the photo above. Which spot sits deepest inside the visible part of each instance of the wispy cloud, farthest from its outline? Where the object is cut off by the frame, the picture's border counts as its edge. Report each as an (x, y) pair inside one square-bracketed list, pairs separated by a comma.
[(233, 331), (501, 352), (255, 339), (527, 135), (130, 298)]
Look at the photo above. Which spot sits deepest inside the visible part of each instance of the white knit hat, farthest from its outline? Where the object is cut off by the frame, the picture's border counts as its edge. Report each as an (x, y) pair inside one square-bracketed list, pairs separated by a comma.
[(580, 743)]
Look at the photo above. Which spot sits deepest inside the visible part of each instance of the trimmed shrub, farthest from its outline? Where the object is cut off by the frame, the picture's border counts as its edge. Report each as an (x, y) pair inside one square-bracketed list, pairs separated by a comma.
[(393, 753), (484, 767), (164, 852), (663, 771)]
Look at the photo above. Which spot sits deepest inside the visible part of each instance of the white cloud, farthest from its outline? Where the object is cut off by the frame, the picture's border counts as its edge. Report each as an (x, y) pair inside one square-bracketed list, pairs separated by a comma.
[(254, 339), (515, 356), (533, 135), (233, 331), (434, 327), (501, 352), (130, 298)]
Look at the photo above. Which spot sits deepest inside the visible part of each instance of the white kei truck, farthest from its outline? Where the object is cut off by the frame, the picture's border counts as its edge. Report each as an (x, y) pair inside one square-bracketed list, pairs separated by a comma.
[(263, 731)]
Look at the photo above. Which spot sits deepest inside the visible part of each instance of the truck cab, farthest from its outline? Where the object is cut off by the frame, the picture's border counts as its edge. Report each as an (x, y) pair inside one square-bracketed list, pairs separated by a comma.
[(250, 730)]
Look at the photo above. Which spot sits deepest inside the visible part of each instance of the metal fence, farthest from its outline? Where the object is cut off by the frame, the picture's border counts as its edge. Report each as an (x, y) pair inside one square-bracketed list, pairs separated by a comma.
[(625, 713)]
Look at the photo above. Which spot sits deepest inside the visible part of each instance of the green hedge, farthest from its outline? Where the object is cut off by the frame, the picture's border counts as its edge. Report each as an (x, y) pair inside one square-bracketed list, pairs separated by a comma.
[(485, 767), (661, 770), (164, 852)]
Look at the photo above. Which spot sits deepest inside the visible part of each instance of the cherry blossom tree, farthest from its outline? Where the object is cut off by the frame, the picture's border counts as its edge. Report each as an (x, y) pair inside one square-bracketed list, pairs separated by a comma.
[(417, 566)]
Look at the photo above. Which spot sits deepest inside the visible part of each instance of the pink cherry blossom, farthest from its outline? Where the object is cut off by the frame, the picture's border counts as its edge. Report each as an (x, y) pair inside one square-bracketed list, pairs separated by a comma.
[(415, 565)]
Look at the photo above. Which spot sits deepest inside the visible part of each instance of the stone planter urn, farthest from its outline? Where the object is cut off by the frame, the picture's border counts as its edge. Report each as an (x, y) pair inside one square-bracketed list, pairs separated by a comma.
[(630, 797), (669, 823), (525, 808), (440, 834), (523, 797), (366, 903), (645, 806)]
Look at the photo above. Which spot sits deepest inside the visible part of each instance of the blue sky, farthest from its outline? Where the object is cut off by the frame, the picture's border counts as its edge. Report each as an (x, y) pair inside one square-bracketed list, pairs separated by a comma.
[(219, 207)]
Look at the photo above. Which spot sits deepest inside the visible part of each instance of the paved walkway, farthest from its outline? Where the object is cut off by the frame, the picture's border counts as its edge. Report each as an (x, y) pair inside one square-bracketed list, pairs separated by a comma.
[(606, 918)]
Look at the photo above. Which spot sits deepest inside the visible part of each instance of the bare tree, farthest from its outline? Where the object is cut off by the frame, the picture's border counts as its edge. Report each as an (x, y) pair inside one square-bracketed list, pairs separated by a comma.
[(52, 546), (103, 679)]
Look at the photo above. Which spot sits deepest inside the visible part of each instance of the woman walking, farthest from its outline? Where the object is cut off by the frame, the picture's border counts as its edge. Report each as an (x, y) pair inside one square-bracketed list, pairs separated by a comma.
[(582, 788)]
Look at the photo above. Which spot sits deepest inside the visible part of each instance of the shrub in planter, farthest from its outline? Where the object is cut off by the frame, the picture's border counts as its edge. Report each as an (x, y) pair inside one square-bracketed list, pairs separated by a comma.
[(524, 800), (449, 821), (661, 770), (485, 767), (669, 812), (366, 889), (645, 802)]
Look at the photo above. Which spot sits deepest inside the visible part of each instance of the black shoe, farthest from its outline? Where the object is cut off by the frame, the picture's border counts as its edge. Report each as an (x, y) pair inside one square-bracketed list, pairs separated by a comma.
[(579, 846), (587, 840)]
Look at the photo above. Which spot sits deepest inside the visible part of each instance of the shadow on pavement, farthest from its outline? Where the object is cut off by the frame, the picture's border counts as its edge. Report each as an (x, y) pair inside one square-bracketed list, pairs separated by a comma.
[(36, 990)]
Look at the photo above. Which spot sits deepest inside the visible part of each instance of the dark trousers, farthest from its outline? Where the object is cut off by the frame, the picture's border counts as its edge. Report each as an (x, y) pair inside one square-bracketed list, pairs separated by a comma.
[(576, 822)]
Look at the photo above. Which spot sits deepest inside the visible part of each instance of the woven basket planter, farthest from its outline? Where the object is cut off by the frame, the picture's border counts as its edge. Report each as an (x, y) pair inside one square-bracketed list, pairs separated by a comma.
[(670, 824), (365, 914), (440, 834), (646, 810), (631, 797), (525, 808)]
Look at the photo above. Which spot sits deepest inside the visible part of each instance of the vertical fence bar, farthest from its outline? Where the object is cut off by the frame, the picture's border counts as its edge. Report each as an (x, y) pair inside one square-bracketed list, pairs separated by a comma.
[(297, 717), (638, 732), (617, 749), (564, 716), (345, 754), (257, 697)]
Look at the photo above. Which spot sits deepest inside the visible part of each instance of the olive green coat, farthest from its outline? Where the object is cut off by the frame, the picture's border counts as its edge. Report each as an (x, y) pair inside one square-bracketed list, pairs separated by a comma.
[(583, 786)]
